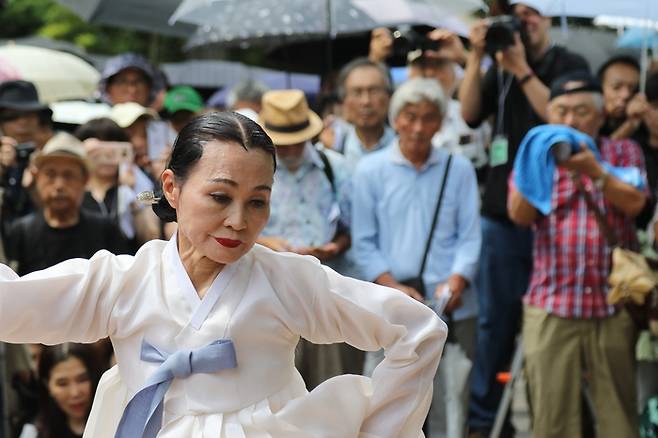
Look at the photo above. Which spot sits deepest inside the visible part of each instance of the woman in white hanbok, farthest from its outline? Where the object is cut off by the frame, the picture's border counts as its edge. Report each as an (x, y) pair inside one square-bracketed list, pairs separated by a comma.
[(211, 282)]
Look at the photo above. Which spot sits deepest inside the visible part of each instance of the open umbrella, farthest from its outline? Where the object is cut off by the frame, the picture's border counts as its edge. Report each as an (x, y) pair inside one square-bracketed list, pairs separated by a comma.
[(640, 9), (57, 75), (238, 21), (145, 15)]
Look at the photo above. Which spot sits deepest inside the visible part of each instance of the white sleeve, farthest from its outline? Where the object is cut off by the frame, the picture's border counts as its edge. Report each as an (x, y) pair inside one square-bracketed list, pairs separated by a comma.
[(69, 302), (329, 307), (29, 431)]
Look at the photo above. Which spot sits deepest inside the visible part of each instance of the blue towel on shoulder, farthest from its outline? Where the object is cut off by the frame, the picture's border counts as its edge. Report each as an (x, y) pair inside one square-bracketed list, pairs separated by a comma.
[(534, 165)]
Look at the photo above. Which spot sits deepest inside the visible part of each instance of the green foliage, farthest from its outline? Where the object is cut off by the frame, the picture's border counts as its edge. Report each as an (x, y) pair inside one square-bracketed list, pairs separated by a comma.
[(47, 18), (21, 16)]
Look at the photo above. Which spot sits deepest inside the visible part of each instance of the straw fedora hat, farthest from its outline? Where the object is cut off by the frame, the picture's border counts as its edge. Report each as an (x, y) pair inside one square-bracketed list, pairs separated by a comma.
[(286, 118)]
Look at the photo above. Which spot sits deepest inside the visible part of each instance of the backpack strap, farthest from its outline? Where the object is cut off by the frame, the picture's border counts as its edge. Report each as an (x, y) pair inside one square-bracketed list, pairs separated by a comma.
[(328, 171)]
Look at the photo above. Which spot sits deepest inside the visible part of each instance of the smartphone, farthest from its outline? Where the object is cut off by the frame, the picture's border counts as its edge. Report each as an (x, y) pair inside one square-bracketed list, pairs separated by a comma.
[(110, 152), (441, 301), (157, 138)]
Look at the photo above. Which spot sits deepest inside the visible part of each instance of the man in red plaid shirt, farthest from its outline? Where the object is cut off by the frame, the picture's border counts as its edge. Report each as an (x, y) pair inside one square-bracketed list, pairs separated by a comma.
[(567, 326)]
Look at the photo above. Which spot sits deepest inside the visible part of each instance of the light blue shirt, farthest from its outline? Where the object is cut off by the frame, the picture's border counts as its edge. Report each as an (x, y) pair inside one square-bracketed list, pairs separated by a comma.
[(304, 209), (393, 206), (353, 148)]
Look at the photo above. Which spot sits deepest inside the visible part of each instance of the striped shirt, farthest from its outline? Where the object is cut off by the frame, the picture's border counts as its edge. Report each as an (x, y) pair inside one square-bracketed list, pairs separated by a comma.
[(572, 259)]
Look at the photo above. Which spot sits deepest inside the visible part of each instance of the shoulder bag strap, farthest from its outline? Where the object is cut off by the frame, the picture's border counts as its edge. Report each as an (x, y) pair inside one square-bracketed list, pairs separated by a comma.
[(598, 214), (436, 217), (328, 170)]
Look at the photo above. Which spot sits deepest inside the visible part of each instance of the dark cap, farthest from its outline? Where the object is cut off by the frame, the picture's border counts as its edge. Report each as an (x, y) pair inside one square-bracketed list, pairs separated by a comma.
[(124, 61), (574, 82), (20, 96), (117, 64)]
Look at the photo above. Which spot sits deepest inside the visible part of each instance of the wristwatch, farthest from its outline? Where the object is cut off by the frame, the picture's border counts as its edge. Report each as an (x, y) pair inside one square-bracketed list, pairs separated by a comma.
[(525, 78), (599, 182)]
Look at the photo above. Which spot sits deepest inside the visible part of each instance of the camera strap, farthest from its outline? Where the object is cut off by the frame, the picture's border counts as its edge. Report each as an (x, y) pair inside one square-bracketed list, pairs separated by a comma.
[(435, 218), (504, 85)]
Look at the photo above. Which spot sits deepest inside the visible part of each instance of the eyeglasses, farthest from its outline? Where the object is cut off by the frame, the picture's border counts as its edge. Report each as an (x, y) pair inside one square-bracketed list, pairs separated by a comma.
[(372, 92)]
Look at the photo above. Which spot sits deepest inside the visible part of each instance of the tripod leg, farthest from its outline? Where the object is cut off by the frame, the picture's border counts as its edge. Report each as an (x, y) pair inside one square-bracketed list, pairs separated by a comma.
[(506, 401)]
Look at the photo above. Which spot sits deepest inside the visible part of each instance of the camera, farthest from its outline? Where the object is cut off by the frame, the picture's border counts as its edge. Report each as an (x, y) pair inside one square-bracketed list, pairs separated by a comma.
[(500, 34), (561, 151), (23, 153), (406, 39)]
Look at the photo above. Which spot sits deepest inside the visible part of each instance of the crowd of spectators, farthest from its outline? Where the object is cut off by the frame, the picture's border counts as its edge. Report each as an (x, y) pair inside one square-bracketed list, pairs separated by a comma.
[(420, 186)]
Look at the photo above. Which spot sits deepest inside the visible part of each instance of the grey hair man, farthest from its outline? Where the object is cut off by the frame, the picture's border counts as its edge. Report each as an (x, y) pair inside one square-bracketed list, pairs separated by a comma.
[(395, 194), (364, 87), (443, 65)]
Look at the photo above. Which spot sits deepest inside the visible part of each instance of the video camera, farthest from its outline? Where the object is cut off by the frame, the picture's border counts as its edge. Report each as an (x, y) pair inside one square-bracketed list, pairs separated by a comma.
[(500, 34)]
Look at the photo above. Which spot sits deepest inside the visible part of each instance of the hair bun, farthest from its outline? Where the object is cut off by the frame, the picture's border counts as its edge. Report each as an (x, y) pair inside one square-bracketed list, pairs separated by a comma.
[(164, 210)]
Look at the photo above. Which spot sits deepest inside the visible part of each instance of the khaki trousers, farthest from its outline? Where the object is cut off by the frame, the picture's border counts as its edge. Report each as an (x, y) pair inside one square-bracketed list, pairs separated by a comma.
[(558, 351)]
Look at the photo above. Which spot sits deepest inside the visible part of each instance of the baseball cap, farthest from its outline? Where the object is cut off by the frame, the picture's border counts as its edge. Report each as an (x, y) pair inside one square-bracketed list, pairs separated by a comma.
[(584, 82), (125, 114), (183, 98)]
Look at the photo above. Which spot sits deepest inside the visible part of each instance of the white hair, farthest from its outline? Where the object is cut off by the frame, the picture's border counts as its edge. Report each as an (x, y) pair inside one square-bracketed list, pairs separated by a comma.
[(598, 100), (415, 91)]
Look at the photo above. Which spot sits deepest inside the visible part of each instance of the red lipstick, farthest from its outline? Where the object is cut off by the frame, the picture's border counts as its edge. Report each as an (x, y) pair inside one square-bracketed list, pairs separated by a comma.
[(229, 243)]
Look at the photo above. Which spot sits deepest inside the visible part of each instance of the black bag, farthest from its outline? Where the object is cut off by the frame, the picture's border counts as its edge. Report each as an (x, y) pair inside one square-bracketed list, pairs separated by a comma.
[(417, 281)]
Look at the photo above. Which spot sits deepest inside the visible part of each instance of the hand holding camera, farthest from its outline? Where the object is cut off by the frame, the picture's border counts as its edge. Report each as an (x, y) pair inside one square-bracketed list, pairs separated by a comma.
[(453, 288), (449, 46), (500, 37), (584, 162), (111, 153), (477, 37), (513, 60), (7, 152)]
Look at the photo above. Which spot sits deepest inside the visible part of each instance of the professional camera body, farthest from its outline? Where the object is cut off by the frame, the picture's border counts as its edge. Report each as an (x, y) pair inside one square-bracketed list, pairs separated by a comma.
[(500, 34), (406, 39)]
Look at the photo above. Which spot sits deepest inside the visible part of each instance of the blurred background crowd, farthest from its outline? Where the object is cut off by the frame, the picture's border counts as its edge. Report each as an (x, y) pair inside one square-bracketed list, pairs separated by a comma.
[(406, 156)]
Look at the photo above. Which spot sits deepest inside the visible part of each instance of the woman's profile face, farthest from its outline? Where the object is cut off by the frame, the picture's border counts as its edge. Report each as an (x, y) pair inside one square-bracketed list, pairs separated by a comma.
[(70, 386), (225, 202)]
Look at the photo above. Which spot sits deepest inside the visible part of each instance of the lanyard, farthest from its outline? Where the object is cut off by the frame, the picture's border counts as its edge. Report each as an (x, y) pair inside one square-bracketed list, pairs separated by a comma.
[(504, 85)]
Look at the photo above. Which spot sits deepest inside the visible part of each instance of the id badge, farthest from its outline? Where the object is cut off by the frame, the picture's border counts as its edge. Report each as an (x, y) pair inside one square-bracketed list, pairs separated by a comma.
[(499, 151)]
